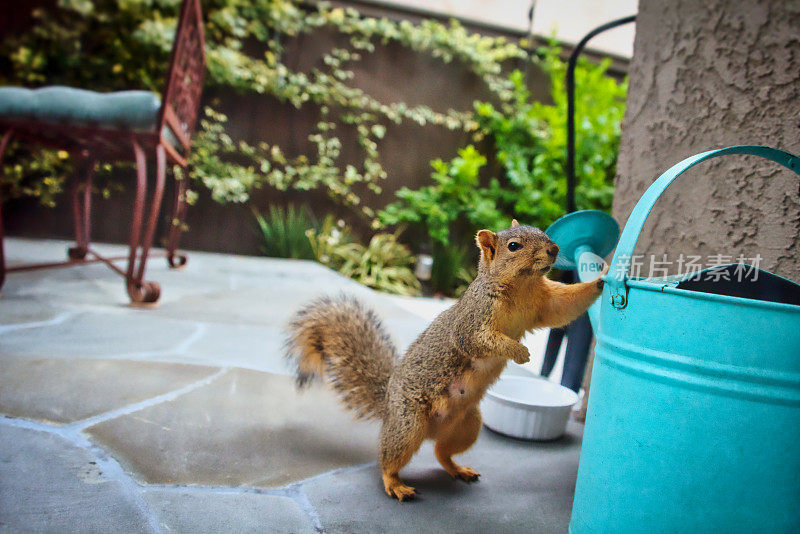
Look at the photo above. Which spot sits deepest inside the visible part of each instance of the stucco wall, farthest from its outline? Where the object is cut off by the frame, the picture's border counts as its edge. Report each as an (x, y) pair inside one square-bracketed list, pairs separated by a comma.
[(706, 75)]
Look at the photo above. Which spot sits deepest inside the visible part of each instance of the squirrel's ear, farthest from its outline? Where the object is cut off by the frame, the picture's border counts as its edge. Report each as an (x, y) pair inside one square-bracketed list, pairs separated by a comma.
[(487, 242), (514, 223)]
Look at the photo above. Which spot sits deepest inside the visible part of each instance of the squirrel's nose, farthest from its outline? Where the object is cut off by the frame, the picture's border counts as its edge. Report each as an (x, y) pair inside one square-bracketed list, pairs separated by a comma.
[(552, 250)]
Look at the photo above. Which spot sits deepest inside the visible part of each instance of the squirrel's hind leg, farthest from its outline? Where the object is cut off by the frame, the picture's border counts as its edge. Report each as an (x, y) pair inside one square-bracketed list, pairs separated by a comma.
[(402, 434), (457, 438)]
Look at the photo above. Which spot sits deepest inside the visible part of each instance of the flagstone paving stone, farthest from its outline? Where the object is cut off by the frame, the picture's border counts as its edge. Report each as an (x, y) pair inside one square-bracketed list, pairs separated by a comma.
[(257, 347), (48, 484), (524, 487), (181, 417), (17, 310), (213, 512), (247, 428), (88, 334), (65, 391)]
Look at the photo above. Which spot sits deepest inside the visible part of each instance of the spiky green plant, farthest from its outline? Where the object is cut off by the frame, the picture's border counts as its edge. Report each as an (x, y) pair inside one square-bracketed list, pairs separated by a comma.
[(283, 231), (453, 268)]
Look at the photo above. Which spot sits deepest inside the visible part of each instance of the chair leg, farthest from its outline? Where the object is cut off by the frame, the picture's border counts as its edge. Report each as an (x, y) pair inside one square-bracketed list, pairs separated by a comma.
[(179, 207), (139, 290), (3, 144), (155, 207), (82, 209)]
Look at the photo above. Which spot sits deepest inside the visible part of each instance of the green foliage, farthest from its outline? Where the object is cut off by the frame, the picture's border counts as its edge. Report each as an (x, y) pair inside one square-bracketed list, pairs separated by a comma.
[(384, 264), (454, 201), (108, 45), (34, 172), (454, 268), (123, 44), (528, 139), (326, 240), (284, 232)]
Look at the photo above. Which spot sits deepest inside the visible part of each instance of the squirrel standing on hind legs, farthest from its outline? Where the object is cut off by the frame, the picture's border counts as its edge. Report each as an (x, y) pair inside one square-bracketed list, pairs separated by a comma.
[(433, 392)]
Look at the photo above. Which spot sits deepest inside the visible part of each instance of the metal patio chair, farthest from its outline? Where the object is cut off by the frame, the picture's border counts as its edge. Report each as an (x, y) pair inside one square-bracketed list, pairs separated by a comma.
[(119, 126)]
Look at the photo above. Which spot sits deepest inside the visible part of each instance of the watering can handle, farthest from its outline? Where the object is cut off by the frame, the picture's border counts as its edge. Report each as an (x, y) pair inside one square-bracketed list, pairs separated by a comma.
[(618, 271)]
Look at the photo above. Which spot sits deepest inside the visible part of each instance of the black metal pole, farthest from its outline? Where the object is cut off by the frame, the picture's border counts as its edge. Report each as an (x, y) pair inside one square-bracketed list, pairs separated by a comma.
[(573, 60)]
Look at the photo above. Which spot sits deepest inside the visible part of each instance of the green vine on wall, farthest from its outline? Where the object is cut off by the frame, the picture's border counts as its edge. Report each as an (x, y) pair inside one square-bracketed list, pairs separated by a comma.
[(109, 45), (528, 139)]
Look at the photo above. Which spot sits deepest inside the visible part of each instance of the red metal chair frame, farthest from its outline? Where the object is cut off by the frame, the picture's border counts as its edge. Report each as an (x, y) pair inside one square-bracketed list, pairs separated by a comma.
[(178, 116)]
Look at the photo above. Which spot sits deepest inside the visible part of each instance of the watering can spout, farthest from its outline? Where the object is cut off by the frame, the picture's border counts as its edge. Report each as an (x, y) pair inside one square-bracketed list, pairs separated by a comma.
[(583, 239)]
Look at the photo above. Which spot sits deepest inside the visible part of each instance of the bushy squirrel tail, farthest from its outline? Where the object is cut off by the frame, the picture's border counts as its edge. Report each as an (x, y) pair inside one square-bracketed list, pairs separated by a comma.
[(340, 339)]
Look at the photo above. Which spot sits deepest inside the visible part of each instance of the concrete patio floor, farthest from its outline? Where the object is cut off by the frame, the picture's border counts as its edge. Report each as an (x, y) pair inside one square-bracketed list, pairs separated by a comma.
[(183, 417)]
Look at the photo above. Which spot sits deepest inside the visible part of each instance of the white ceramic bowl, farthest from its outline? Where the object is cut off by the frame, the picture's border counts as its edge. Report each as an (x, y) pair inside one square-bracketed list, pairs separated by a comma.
[(527, 408)]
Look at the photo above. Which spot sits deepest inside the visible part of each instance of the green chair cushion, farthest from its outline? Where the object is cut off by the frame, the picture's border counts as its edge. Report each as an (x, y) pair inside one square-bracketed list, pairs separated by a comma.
[(124, 110)]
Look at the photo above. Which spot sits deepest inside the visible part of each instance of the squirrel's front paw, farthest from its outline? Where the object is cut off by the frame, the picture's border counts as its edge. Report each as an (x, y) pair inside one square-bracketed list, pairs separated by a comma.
[(521, 355)]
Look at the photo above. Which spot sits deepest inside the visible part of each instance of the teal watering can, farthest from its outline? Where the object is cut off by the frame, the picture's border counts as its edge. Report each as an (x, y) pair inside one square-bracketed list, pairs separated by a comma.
[(694, 411)]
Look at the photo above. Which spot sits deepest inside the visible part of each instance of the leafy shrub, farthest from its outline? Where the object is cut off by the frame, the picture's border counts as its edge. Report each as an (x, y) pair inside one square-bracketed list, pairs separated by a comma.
[(454, 268), (326, 240), (528, 139), (454, 201), (384, 264), (284, 232), (35, 173)]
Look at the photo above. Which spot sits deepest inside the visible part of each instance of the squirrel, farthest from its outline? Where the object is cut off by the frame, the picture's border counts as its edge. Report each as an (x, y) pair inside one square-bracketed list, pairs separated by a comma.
[(433, 392)]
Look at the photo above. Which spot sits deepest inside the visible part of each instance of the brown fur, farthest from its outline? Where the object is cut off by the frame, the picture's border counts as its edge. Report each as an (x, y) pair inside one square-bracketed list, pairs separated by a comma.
[(433, 392), (341, 340)]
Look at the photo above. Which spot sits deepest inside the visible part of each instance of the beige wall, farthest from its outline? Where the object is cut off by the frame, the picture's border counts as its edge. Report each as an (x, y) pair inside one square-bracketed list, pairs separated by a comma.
[(706, 75), (569, 19)]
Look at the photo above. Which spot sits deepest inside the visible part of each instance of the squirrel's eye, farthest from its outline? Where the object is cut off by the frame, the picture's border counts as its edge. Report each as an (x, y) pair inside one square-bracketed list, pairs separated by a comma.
[(514, 246)]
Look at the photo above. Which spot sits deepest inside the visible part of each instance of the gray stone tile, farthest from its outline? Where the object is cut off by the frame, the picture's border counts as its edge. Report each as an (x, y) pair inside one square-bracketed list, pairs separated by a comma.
[(208, 511), (239, 345), (15, 310), (524, 487), (271, 298), (252, 306), (84, 285), (95, 334), (260, 347), (49, 485), (246, 428), (63, 391), (213, 288), (20, 250), (95, 284), (403, 330)]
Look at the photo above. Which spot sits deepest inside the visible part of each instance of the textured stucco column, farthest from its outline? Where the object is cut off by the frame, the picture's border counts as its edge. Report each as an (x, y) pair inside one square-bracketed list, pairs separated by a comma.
[(706, 75)]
